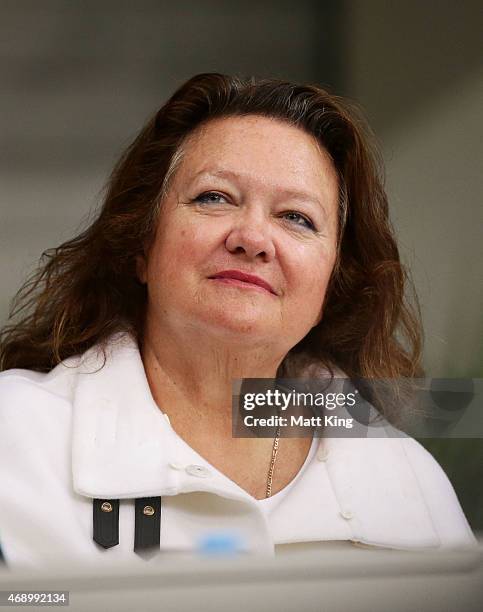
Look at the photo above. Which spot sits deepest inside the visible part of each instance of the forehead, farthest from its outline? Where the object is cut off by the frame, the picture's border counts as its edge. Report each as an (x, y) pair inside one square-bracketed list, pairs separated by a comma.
[(262, 150)]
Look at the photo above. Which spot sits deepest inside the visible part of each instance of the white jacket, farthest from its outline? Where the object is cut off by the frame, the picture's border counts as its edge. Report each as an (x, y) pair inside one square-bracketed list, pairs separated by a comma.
[(84, 431)]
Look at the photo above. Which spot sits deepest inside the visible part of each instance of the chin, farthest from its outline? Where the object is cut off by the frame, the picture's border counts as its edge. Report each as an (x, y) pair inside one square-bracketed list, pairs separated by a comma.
[(238, 327)]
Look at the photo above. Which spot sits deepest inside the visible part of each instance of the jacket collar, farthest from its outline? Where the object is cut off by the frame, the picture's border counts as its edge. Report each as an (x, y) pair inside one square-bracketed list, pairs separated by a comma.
[(121, 443), (123, 446)]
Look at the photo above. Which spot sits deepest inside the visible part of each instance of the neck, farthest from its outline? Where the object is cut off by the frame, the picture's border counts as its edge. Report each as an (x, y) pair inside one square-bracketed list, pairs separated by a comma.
[(191, 379)]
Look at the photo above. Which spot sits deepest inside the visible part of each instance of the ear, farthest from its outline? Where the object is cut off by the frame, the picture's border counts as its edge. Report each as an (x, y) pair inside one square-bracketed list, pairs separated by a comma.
[(141, 271)]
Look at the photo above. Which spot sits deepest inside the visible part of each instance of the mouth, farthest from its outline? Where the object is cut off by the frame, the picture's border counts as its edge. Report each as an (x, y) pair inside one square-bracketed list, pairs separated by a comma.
[(243, 280)]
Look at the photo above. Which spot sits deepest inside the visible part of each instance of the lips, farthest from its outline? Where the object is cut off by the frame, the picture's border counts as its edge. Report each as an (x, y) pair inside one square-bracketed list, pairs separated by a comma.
[(245, 278)]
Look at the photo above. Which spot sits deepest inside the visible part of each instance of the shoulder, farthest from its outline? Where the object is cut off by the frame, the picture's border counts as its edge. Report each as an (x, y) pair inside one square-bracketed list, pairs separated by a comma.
[(30, 399), (35, 459), (440, 497), (35, 412), (26, 392), (400, 473)]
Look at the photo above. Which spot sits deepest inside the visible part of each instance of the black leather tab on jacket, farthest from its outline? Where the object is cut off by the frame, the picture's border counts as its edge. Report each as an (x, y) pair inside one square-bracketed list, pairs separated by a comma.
[(147, 526), (106, 522)]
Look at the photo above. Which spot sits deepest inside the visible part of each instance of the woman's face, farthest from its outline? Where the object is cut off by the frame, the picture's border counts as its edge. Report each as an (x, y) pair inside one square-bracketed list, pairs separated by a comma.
[(252, 195)]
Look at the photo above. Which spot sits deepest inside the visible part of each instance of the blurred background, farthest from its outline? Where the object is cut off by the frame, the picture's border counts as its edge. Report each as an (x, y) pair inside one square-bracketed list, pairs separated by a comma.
[(79, 78)]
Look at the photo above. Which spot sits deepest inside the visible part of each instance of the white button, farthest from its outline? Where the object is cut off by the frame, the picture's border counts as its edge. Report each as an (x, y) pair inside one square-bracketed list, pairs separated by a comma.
[(176, 466), (346, 514), (197, 470)]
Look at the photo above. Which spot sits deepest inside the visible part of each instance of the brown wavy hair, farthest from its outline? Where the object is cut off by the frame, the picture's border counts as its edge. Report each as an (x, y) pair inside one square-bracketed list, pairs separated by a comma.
[(87, 288)]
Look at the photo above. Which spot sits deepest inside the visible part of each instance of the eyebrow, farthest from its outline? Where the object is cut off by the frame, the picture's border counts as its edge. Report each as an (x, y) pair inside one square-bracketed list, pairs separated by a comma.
[(292, 193)]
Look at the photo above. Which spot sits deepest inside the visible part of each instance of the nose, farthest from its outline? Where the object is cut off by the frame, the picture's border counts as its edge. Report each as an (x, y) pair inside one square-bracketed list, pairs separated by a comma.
[(250, 234)]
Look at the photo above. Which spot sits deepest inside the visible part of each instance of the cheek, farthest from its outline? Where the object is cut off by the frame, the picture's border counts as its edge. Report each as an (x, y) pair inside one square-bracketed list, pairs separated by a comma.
[(310, 269), (308, 282), (171, 250)]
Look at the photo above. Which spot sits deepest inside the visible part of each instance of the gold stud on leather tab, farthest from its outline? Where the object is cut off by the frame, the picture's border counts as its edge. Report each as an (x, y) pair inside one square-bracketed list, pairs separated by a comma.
[(105, 522), (106, 507), (147, 525)]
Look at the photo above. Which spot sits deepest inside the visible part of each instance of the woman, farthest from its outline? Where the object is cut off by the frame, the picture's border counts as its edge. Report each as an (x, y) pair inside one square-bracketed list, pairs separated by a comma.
[(244, 234)]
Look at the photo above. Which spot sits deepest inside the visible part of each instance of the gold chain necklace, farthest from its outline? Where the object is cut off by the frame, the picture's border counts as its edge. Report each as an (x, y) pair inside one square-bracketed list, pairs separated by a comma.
[(272, 462)]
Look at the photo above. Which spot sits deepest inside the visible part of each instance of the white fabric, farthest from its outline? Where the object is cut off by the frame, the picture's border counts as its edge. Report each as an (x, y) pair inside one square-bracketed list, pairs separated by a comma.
[(85, 431)]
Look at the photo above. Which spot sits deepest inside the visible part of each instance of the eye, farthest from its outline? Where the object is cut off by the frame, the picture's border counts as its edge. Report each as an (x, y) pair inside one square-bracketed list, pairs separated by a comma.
[(299, 219), (208, 197)]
